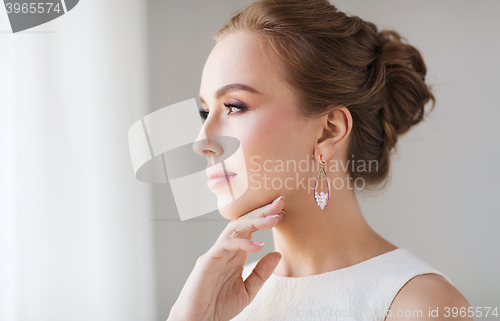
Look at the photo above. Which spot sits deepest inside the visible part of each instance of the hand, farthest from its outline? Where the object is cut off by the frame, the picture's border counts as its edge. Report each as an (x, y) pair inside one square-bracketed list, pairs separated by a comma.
[(215, 290)]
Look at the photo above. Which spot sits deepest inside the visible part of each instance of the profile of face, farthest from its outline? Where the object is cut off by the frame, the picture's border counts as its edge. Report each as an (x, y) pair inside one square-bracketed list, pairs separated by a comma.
[(247, 98)]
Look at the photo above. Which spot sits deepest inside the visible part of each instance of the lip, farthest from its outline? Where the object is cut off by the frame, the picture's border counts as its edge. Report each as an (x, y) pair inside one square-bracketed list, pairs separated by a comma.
[(218, 178)]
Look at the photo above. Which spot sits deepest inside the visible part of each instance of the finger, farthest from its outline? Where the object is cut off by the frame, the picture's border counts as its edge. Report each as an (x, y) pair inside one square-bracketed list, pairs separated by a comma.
[(273, 208), (221, 248), (262, 271), (242, 227)]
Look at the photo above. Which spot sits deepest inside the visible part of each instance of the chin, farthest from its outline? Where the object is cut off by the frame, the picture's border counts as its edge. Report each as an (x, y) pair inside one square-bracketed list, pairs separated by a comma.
[(227, 213), (233, 210)]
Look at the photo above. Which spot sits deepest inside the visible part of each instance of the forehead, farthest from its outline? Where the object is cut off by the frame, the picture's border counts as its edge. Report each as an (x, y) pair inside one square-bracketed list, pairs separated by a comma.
[(241, 57)]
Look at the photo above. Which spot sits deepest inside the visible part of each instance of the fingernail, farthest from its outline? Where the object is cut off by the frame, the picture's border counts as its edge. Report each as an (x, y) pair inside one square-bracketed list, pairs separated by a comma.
[(278, 199), (258, 243), (273, 216)]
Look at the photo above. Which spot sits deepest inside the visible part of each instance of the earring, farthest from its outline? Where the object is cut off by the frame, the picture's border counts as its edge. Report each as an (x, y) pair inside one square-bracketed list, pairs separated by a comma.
[(321, 198)]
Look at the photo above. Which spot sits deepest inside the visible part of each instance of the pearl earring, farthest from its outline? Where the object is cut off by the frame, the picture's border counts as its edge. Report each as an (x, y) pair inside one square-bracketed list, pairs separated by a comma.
[(321, 198)]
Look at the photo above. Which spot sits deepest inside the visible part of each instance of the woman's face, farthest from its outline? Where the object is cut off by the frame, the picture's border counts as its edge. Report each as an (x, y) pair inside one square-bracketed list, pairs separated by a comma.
[(263, 116)]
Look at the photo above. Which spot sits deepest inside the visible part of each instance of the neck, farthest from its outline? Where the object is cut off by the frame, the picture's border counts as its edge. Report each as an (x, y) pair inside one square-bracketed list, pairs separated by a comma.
[(313, 241)]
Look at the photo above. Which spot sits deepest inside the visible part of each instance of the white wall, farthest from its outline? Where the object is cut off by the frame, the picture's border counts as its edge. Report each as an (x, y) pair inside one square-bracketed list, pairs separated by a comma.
[(74, 222)]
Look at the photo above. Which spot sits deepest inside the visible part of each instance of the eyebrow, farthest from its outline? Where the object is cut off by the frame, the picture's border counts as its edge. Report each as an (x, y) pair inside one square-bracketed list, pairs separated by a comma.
[(232, 87)]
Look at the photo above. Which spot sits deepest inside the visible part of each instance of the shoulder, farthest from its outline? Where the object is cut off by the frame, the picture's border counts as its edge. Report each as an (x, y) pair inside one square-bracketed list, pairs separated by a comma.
[(428, 297)]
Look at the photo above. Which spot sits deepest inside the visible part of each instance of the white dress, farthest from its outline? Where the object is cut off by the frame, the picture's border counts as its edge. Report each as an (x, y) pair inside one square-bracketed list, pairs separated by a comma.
[(363, 291)]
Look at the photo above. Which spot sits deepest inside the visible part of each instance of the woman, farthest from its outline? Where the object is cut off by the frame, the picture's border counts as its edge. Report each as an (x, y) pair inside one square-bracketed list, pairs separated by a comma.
[(300, 83)]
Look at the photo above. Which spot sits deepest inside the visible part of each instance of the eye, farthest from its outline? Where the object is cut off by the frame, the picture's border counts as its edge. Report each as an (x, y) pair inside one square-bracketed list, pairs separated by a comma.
[(203, 114), (234, 108)]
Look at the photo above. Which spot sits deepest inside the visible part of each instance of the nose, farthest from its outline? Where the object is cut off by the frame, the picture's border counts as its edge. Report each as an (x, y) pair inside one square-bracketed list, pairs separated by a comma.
[(208, 146)]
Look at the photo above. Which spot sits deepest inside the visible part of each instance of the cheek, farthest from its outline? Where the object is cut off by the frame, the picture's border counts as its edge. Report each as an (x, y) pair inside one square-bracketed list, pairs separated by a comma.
[(270, 134), (272, 140)]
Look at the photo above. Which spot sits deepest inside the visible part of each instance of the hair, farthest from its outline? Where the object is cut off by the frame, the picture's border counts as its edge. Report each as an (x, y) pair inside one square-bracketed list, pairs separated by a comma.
[(331, 59)]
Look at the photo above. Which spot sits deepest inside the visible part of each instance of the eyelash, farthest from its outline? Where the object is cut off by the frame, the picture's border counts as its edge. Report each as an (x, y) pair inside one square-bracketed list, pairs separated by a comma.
[(204, 113)]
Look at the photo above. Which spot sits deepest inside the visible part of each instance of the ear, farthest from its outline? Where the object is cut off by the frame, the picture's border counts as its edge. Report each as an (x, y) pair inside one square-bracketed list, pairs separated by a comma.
[(335, 129)]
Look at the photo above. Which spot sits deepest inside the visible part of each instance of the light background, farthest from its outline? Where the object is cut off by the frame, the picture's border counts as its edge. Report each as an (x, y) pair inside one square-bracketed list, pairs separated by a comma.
[(82, 239)]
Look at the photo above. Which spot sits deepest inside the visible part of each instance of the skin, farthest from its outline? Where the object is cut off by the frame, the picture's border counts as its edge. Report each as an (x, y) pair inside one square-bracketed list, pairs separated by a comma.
[(307, 240)]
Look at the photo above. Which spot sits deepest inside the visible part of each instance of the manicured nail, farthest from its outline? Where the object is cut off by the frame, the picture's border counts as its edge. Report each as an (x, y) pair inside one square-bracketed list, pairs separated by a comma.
[(278, 199), (258, 243), (273, 216)]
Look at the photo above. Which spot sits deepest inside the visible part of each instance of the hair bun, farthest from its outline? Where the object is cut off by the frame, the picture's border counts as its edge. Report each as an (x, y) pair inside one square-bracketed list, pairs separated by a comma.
[(407, 93)]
